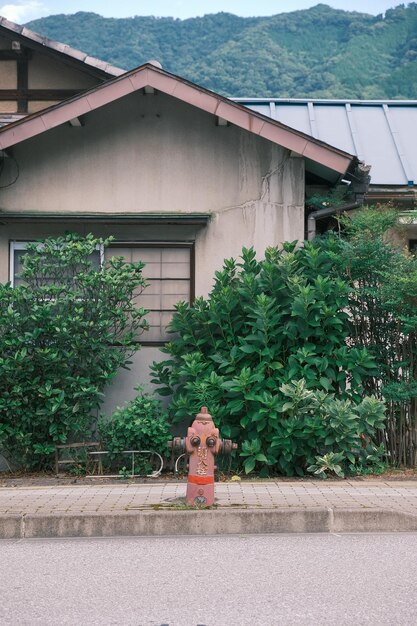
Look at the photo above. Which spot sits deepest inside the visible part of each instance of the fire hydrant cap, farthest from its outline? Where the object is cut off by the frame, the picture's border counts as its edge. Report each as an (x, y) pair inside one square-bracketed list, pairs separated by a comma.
[(204, 415)]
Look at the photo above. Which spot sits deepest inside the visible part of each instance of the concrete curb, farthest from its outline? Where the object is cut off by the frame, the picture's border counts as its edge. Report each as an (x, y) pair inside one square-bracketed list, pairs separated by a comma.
[(212, 522)]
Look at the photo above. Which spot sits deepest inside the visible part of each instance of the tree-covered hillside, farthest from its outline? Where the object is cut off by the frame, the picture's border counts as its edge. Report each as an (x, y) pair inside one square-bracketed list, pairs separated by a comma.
[(319, 52)]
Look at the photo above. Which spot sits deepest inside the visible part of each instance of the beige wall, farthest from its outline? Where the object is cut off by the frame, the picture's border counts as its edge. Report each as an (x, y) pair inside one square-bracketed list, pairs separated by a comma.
[(45, 72), (154, 154), (8, 74), (401, 235)]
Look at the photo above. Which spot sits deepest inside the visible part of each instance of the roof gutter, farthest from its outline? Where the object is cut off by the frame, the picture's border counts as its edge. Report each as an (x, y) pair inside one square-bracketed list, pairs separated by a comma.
[(327, 212), (359, 178), (189, 219)]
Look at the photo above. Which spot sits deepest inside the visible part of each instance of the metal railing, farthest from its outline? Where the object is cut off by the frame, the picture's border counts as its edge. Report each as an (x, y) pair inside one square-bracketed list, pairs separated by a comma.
[(133, 453)]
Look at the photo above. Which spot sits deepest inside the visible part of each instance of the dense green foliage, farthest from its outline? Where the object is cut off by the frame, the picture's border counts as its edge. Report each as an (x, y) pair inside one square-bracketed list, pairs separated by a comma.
[(328, 435), (264, 352), (319, 52), (383, 319), (63, 336), (138, 425)]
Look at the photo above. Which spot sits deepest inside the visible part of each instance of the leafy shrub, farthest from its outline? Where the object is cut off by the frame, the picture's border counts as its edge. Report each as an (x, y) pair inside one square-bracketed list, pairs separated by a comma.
[(382, 314), (64, 334), (265, 325), (140, 424), (317, 432)]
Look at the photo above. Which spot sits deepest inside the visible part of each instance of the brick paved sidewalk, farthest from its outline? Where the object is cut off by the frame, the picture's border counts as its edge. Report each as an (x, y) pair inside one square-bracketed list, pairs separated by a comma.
[(399, 496)]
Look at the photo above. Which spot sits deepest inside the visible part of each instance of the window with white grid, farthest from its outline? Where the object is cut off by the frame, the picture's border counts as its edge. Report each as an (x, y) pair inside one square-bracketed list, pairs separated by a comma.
[(18, 250), (168, 272)]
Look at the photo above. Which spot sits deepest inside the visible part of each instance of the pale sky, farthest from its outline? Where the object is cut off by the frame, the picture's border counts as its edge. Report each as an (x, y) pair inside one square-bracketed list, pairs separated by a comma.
[(21, 11)]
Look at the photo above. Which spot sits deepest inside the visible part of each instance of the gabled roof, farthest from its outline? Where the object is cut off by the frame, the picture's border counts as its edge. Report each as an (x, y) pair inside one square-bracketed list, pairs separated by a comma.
[(333, 161), (101, 69), (380, 132)]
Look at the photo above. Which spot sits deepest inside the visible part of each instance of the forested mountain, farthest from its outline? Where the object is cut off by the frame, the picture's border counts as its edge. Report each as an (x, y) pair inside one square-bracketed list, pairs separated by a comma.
[(318, 52)]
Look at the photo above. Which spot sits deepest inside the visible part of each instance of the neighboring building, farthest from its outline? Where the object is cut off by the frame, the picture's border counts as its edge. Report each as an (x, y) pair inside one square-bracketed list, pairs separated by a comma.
[(36, 72), (181, 176), (380, 133)]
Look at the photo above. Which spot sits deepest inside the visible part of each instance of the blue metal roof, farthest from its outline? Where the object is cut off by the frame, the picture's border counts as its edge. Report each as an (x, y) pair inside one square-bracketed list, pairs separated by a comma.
[(382, 133)]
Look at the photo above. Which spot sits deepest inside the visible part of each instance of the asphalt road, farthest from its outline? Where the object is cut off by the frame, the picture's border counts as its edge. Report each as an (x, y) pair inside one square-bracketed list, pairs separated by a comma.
[(215, 581)]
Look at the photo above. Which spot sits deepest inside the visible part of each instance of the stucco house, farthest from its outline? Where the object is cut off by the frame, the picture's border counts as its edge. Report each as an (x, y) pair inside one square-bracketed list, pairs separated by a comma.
[(180, 176)]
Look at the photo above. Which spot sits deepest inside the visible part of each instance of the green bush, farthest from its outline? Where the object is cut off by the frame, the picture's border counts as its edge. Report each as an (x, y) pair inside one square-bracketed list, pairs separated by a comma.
[(313, 430), (64, 334), (382, 306), (266, 326), (140, 424)]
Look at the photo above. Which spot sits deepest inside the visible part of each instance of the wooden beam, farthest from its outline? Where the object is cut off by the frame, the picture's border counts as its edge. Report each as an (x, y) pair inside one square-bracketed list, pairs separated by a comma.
[(22, 84), (36, 94), (12, 55)]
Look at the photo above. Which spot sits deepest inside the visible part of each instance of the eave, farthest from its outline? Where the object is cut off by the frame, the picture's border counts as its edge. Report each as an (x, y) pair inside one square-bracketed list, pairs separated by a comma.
[(149, 75), (193, 219)]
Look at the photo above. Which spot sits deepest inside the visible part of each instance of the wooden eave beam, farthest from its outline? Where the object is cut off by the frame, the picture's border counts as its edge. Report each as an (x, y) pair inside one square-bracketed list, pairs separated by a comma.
[(37, 94)]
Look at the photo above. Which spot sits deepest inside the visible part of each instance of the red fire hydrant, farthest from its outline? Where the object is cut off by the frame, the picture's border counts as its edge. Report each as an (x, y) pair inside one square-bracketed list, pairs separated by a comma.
[(202, 443)]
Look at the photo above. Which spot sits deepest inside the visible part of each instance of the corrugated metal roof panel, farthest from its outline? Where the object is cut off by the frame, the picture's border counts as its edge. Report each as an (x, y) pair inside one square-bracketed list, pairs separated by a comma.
[(379, 148), (333, 127), (381, 133), (298, 114), (405, 119), (264, 109)]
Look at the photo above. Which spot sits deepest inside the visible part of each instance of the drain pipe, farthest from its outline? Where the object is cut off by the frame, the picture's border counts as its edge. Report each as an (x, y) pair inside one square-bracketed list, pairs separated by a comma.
[(328, 212)]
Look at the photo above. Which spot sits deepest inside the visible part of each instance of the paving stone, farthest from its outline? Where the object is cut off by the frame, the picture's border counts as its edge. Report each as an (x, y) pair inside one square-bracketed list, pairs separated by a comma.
[(394, 496)]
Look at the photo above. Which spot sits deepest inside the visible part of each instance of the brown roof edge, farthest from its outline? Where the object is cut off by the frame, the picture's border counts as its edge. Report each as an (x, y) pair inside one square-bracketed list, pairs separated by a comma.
[(62, 49), (186, 91)]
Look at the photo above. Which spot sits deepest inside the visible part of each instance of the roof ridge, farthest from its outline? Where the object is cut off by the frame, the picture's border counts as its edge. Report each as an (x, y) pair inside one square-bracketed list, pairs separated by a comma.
[(340, 101)]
